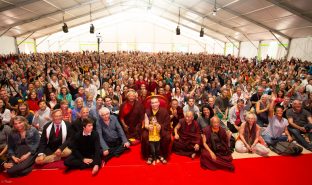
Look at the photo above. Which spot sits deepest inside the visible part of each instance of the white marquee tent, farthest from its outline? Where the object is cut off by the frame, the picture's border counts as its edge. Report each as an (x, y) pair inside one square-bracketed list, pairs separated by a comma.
[(277, 28)]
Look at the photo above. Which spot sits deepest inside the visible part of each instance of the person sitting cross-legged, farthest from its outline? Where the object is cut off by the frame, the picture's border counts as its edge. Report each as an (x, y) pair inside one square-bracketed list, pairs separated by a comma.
[(187, 136), (86, 149), (55, 138), (112, 137)]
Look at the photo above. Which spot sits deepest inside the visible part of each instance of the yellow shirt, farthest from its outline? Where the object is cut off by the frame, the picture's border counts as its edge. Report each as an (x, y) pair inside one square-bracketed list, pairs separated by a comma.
[(154, 134)]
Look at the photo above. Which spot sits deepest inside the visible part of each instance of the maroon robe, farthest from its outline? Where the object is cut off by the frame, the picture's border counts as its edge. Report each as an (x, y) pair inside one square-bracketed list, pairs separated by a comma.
[(133, 116), (218, 143), (189, 135), (163, 119)]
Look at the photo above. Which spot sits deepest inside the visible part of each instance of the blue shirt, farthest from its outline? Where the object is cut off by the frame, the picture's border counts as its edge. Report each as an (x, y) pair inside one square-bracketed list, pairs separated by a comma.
[(110, 133)]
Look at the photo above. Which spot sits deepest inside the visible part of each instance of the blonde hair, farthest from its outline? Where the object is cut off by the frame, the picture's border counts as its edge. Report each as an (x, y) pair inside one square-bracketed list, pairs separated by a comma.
[(23, 120)]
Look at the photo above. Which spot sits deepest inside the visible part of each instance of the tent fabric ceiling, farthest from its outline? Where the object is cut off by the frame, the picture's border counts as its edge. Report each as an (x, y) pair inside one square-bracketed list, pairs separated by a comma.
[(238, 20)]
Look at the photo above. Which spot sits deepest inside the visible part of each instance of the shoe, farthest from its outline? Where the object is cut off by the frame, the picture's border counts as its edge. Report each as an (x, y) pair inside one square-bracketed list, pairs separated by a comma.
[(149, 161), (163, 160)]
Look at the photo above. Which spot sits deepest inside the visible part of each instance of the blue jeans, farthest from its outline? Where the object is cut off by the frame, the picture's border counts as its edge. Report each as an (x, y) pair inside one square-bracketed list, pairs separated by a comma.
[(298, 137), (272, 140)]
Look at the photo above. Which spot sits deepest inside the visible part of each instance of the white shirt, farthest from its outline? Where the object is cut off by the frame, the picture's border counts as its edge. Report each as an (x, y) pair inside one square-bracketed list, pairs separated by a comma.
[(276, 128)]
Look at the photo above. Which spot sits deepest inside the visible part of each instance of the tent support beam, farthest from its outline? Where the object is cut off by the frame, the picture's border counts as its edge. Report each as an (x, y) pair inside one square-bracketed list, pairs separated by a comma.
[(231, 41), (278, 40), (288, 48), (25, 38)]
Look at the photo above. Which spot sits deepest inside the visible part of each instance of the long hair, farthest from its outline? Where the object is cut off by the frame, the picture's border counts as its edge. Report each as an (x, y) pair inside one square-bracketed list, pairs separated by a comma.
[(250, 133), (19, 113), (210, 110), (23, 120)]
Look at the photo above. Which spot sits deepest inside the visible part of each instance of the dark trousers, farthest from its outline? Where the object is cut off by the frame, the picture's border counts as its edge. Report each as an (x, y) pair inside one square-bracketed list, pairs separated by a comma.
[(298, 137), (115, 150), (231, 127), (165, 142), (75, 163), (23, 168), (154, 146)]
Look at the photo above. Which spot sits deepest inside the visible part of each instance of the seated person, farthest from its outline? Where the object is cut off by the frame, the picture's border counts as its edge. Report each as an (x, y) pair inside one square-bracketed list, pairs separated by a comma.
[(249, 137), (300, 122), (191, 107), (277, 126), (131, 116), (84, 113), (23, 143), (236, 115), (42, 116), (86, 149), (262, 110), (176, 112), (187, 136), (112, 137), (5, 131), (216, 153), (108, 103), (206, 114), (54, 140)]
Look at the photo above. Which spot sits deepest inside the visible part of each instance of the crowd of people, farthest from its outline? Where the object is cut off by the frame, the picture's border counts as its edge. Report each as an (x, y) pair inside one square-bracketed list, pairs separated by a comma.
[(65, 106)]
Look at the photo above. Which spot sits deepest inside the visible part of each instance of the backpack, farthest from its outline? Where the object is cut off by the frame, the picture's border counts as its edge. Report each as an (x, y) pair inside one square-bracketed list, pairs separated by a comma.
[(286, 148)]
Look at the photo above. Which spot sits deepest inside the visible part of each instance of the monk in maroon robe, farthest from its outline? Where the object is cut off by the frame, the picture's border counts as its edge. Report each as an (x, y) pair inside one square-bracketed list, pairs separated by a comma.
[(175, 112), (163, 118), (131, 116), (215, 153), (187, 136)]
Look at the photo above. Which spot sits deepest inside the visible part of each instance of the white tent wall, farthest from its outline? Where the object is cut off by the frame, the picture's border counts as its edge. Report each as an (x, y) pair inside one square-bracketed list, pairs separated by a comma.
[(248, 50), (7, 45), (301, 48), (230, 49), (273, 49), (26, 46)]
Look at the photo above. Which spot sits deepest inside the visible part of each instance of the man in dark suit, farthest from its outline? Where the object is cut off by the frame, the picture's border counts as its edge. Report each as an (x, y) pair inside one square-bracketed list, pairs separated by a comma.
[(54, 140)]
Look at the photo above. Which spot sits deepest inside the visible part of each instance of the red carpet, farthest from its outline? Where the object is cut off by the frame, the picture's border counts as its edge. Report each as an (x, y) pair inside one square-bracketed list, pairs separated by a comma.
[(130, 169)]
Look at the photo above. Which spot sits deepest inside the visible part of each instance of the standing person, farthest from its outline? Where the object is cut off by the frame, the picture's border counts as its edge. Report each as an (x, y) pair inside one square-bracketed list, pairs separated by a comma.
[(131, 116), (86, 149), (187, 136), (23, 143), (153, 138), (54, 140), (112, 137), (163, 119), (216, 153)]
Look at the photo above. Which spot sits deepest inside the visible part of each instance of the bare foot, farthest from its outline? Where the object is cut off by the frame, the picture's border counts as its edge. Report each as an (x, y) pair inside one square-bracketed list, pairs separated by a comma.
[(95, 170)]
